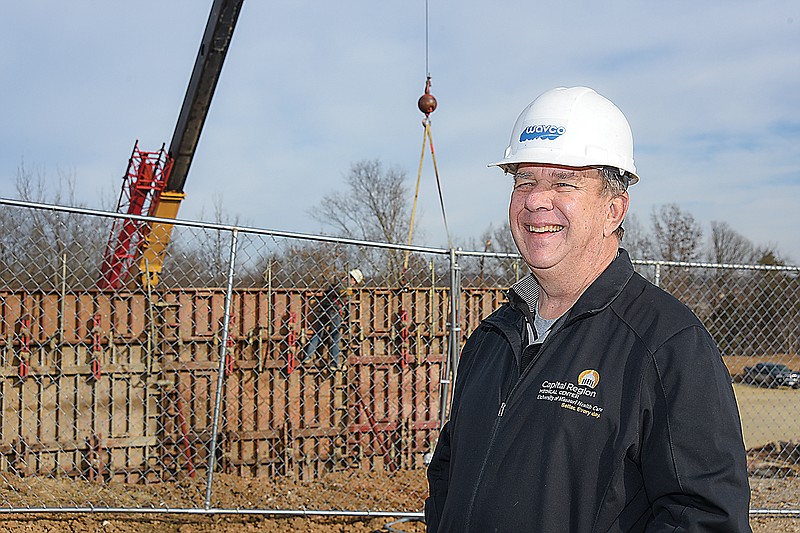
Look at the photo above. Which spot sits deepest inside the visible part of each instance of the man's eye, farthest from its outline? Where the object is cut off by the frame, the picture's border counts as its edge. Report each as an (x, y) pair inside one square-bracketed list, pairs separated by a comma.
[(562, 185), (523, 185)]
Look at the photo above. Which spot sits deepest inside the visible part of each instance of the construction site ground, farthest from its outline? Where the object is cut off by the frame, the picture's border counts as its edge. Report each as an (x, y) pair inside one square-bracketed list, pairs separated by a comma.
[(247, 493), (150, 523), (84, 524)]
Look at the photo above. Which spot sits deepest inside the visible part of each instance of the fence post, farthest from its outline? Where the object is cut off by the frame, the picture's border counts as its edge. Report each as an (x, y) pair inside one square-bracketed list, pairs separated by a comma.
[(223, 355), (449, 368)]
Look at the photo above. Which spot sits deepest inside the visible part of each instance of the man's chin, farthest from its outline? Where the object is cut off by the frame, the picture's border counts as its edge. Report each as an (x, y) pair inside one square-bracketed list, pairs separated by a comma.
[(541, 256), (541, 263)]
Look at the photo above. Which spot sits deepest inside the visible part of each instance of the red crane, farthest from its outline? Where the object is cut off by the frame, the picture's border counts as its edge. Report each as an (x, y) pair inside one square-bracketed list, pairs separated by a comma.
[(154, 181)]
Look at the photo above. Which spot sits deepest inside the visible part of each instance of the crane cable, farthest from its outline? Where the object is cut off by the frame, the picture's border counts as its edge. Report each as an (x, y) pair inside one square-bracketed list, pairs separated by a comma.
[(426, 104)]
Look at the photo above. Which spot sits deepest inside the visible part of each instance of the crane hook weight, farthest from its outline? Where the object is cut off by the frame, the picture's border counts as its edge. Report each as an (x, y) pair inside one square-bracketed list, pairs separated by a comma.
[(426, 102)]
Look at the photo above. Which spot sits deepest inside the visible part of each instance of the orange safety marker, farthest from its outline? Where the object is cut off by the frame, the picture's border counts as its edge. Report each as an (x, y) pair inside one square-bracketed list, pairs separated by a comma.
[(291, 340), (405, 356), (25, 348), (97, 348)]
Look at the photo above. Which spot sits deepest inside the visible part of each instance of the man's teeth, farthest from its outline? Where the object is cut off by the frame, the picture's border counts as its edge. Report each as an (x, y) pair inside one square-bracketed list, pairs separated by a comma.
[(545, 229)]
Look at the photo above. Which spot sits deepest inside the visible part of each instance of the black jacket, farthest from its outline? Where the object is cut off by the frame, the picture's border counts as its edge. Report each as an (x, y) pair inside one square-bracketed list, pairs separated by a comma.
[(624, 421)]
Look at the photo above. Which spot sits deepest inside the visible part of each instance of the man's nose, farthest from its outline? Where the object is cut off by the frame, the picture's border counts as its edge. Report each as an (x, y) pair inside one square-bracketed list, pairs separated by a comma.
[(539, 198)]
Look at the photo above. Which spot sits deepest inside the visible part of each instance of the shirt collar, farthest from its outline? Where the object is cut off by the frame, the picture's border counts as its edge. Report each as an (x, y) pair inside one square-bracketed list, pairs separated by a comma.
[(528, 291)]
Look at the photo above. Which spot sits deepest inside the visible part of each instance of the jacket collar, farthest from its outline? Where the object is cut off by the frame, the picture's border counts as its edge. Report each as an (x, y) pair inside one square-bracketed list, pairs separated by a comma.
[(605, 288), (595, 298), (511, 323)]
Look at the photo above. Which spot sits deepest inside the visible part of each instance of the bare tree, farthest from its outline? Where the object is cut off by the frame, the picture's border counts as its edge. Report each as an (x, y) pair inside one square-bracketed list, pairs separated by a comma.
[(374, 207), (310, 263), (499, 239), (35, 243), (493, 271), (769, 255), (637, 241), (729, 246), (676, 233)]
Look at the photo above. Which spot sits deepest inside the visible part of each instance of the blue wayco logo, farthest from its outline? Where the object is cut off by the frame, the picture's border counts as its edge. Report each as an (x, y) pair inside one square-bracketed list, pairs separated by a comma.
[(541, 131)]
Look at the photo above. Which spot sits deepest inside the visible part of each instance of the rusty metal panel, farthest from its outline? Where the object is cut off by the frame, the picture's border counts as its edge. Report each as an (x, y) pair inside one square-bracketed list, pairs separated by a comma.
[(477, 304), (48, 312), (150, 405)]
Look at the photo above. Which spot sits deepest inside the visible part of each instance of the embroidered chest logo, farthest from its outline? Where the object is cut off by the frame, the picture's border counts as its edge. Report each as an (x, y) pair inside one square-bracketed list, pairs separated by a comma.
[(590, 378), (579, 396)]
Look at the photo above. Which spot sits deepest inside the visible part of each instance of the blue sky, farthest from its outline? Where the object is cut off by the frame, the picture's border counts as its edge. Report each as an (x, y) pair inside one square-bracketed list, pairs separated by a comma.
[(711, 89)]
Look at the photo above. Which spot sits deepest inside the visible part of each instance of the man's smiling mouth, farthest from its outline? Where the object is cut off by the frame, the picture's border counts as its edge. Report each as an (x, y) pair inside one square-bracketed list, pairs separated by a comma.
[(553, 228)]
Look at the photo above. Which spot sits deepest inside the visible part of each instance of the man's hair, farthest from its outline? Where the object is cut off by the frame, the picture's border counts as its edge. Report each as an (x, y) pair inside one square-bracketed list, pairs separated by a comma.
[(615, 182)]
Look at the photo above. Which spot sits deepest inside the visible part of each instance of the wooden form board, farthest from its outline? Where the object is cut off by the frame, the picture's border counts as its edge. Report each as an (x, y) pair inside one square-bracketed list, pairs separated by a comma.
[(120, 386)]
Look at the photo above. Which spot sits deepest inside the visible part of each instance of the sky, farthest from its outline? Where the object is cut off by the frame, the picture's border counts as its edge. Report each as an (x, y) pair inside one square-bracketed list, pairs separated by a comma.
[(711, 90)]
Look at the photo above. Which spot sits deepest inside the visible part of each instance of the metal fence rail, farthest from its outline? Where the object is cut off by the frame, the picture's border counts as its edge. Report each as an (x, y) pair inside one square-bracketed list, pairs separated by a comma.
[(233, 385)]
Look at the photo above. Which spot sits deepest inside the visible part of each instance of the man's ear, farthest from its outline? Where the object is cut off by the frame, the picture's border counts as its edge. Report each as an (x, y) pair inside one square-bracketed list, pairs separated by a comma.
[(617, 209)]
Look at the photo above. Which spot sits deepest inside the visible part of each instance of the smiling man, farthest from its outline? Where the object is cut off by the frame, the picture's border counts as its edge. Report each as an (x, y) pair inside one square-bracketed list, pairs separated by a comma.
[(592, 400)]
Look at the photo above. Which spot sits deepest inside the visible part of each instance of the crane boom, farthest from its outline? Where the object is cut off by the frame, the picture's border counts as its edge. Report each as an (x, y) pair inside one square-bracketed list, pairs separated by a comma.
[(196, 103), (203, 82)]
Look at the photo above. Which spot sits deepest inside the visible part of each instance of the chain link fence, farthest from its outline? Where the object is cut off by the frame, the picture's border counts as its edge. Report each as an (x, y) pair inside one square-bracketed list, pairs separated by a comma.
[(256, 375)]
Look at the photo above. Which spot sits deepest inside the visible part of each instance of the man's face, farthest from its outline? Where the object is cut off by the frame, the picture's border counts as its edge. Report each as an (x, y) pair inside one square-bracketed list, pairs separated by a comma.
[(560, 217)]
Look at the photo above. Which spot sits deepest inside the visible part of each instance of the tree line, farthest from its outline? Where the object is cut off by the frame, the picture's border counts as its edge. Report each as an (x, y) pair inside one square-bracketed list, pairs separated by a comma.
[(373, 205), (749, 312)]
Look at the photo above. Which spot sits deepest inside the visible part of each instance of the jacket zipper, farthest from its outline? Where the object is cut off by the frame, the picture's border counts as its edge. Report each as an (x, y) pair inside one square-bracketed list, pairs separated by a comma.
[(471, 505), (526, 371), (496, 425)]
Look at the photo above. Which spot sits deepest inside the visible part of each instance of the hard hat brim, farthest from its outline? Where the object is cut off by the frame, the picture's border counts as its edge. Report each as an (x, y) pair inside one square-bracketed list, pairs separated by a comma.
[(507, 165)]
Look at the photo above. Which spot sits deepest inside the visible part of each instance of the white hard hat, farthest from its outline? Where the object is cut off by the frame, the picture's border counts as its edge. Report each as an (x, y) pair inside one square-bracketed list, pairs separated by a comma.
[(357, 275), (572, 127)]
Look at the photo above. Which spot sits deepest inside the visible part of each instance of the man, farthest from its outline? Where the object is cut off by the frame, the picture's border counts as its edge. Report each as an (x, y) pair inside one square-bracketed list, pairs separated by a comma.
[(591, 401), (330, 314)]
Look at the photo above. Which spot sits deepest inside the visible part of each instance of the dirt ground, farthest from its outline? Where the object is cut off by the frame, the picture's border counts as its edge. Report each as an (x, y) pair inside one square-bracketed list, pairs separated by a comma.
[(203, 524), (776, 494), (199, 524)]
